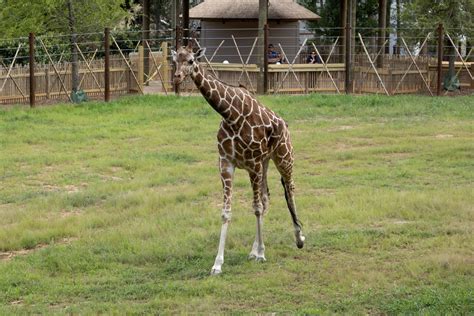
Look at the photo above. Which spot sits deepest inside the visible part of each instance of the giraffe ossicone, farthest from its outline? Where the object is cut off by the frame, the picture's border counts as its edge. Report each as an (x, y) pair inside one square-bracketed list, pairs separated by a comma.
[(250, 135)]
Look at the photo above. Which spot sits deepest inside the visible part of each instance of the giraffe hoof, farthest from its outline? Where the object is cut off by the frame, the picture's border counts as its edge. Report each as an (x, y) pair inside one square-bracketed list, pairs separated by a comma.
[(252, 256), (215, 271), (300, 242), (260, 259)]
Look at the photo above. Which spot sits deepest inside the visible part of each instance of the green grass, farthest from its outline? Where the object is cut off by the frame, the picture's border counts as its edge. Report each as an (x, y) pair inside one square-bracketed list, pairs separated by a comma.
[(115, 208)]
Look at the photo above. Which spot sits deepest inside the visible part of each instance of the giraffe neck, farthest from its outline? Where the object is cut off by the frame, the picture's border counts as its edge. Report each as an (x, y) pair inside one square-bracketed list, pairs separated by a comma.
[(214, 92)]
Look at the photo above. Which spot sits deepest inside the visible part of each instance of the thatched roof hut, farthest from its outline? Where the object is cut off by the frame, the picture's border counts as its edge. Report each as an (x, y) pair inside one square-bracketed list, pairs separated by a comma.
[(248, 10), (222, 18)]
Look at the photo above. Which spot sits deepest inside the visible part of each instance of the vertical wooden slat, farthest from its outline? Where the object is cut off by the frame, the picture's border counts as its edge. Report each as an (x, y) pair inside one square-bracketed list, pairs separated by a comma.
[(46, 77)]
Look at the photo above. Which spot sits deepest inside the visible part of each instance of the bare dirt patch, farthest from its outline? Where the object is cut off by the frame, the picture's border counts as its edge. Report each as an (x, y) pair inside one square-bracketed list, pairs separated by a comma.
[(65, 214), (443, 136), (397, 156), (8, 255), (341, 128)]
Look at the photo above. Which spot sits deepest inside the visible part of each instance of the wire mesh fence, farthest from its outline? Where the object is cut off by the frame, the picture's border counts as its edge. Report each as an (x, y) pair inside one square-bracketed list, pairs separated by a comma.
[(299, 61)]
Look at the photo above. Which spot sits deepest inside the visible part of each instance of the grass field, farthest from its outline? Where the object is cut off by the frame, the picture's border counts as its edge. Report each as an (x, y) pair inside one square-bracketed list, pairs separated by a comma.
[(115, 208)]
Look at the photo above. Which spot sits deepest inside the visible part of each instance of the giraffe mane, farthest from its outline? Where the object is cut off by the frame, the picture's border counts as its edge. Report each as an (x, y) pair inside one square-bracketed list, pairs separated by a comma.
[(241, 86)]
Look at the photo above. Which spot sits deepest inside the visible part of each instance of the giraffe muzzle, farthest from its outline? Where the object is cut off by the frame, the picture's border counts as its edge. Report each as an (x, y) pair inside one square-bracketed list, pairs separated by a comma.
[(177, 79)]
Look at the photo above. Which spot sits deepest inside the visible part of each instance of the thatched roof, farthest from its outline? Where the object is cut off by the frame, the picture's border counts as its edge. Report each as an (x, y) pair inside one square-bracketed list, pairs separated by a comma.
[(248, 10)]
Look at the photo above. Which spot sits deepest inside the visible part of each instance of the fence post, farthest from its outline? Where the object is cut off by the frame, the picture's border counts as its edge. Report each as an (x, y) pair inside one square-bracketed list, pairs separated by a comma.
[(177, 44), (141, 67), (166, 70), (440, 57), (32, 70), (265, 58), (349, 49), (107, 65), (472, 70)]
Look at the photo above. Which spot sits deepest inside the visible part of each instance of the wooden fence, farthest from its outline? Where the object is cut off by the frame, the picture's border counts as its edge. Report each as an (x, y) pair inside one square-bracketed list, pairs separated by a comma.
[(398, 75), (51, 86)]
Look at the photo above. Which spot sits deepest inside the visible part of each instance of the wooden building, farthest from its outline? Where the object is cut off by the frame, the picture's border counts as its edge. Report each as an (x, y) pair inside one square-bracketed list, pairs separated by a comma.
[(220, 19)]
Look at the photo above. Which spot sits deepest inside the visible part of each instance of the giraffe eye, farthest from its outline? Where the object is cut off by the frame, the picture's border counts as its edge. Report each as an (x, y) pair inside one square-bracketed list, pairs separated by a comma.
[(190, 61)]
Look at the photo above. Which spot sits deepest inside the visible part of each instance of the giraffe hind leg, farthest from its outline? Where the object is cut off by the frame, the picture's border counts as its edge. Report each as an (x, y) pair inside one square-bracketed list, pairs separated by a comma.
[(289, 196), (258, 249), (265, 194)]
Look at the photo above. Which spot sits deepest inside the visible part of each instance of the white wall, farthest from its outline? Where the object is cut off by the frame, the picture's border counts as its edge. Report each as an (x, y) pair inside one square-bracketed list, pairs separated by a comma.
[(245, 32)]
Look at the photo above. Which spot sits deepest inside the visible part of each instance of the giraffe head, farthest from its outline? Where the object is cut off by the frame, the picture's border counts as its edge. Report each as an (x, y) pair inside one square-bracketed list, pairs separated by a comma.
[(185, 59)]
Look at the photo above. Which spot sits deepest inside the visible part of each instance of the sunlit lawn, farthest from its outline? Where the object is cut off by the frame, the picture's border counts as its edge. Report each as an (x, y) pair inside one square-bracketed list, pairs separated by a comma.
[(115, 208)]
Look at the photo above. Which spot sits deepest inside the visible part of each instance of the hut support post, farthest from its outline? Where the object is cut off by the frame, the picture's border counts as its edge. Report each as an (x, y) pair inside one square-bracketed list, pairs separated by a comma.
[(348, 47), (261, 49)]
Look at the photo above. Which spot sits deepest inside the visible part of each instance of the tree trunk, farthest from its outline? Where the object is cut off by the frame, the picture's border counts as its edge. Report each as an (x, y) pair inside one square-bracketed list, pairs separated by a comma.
[(185, 21), (353, 3), (74, 56), (343, 12), (382, 33), (397, 51), (146, 36)]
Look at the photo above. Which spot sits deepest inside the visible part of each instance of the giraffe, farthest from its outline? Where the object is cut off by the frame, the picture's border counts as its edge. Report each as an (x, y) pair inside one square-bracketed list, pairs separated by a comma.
[(249, 136)]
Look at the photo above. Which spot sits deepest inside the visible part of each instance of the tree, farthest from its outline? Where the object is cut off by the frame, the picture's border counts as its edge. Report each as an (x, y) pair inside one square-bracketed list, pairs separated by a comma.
[(57, 17), (422, 16), (18, 18)]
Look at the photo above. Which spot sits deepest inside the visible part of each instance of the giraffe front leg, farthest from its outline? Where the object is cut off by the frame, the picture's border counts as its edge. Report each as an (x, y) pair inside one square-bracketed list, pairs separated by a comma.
[(258, 249), (227, 173)]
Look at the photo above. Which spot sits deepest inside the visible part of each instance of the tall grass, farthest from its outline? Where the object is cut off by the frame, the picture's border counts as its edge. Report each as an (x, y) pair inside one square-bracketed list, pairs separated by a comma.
[(115, 208)]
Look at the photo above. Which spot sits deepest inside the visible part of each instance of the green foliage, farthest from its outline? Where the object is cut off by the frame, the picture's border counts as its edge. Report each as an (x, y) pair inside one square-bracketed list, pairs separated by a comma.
[(424, 16), (19, 18), (330, 22), (114, 208)]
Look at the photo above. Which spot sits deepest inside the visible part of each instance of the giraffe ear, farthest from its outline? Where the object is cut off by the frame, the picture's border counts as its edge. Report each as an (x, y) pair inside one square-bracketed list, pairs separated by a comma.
[(200, 53), (173, 55)]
